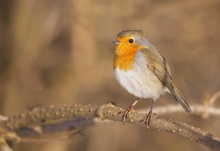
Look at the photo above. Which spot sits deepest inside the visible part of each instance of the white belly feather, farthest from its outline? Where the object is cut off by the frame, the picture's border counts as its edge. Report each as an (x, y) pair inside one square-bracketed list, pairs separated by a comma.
[(139, 81)]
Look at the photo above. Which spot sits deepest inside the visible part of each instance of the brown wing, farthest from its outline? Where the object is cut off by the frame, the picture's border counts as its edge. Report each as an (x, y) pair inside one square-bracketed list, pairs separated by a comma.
[(158, 65)]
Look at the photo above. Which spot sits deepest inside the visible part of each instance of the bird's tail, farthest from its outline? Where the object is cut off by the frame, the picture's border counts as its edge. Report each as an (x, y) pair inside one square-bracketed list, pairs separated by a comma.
[(178, 96)]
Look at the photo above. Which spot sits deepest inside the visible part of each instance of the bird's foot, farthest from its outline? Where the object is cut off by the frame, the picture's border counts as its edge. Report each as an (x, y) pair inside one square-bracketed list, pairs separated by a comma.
[(148, 116), (128, 110), (126, 113)]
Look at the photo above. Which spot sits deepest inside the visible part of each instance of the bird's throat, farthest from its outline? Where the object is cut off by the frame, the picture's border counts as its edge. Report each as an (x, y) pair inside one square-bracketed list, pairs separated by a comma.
[(124, 55), (124, 62)]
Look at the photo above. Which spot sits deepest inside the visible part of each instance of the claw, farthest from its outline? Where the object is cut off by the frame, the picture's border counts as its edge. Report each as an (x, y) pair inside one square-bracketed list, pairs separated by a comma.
[(128, 110), (126, 113), (148, 116)]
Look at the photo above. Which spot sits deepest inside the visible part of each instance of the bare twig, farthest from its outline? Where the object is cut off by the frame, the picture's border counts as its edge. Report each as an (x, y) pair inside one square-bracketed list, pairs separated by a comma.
[(208, 103), (197, 109)]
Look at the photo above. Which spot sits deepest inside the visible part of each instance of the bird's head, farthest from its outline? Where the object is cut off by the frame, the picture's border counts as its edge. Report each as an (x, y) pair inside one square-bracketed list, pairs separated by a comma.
[(130, 41)]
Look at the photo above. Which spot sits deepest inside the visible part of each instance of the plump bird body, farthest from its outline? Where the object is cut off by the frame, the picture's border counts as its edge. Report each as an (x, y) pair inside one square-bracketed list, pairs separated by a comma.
[(138, 80), (141, 69)]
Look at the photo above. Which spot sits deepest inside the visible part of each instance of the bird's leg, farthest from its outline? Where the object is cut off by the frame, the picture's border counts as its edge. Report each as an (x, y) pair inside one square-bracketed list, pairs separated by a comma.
[(128, 110), (148, 116)]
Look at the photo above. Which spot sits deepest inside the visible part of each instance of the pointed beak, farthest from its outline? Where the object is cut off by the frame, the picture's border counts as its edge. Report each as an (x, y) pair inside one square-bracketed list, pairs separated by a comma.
[(115, 42)]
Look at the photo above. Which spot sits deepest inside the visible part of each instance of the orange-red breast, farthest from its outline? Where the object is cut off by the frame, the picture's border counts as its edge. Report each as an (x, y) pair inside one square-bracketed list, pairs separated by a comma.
[(141, 69)]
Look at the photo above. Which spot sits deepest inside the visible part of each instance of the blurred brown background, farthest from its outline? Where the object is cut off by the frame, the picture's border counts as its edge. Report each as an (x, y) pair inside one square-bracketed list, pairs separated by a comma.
[(60, 52)]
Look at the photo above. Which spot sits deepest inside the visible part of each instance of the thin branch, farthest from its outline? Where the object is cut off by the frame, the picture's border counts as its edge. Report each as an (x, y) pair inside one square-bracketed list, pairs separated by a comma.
[(209, 103), (197, 109)]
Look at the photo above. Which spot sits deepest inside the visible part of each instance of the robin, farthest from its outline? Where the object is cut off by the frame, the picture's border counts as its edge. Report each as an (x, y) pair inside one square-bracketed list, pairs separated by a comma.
[(141, 69)]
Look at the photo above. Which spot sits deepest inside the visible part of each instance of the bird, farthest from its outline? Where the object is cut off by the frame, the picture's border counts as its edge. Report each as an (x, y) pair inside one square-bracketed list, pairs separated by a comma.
[(142, 70)]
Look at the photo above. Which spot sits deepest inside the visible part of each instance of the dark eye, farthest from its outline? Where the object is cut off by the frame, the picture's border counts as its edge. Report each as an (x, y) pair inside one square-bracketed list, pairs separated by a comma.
[(131, 41)]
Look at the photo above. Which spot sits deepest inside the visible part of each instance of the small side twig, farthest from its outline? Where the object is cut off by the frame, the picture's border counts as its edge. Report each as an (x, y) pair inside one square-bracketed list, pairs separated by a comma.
[(209, 103)]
